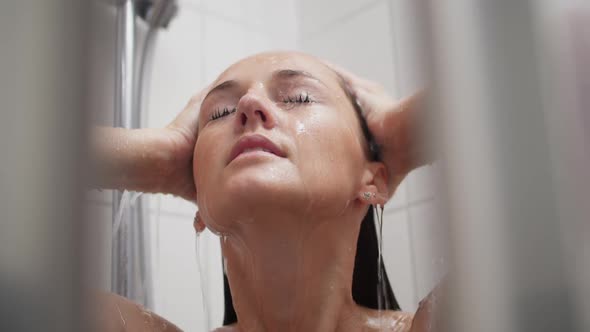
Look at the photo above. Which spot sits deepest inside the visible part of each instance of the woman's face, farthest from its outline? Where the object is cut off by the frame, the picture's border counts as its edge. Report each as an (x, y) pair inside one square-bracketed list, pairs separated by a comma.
[(276, 133)]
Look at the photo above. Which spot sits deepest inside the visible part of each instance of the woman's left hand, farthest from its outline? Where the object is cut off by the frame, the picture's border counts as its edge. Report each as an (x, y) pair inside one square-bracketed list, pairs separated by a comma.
[(398, 126)]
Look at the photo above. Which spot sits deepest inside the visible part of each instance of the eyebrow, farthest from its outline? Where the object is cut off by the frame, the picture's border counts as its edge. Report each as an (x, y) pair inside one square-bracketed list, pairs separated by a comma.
[(227, 85), (290, 73)]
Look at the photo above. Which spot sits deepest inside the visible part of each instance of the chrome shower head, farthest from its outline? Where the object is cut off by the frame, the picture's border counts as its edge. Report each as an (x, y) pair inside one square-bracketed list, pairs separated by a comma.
[(157, 13)]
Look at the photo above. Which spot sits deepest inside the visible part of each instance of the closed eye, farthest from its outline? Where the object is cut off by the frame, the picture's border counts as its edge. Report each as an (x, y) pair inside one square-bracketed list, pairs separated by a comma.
[(219, 113), (302, 98)]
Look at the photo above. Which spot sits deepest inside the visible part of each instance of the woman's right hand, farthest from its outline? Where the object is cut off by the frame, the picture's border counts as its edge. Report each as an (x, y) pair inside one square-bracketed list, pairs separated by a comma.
[(182, 135)]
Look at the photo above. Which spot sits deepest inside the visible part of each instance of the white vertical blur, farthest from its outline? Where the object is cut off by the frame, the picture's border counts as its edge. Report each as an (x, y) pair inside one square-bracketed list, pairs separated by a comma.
[(565, 27), (515, 164), (42, 89)]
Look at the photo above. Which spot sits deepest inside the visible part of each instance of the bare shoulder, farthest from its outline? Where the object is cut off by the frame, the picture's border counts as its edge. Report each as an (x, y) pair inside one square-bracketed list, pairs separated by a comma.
[(111, 312), (227, 328), (387, 320)]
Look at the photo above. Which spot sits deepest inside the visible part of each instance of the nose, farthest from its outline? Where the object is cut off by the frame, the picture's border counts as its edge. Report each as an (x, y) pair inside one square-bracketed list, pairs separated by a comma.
[(255, 109)]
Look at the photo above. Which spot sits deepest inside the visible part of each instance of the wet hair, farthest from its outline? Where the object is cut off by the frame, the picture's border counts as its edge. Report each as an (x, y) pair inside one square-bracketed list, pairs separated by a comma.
[(366, 263)]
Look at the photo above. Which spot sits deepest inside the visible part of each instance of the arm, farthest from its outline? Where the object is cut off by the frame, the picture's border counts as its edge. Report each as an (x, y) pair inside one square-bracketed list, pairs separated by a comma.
[(133, 159), (426, 319), (399, 129), (428, 315), (148, 160)]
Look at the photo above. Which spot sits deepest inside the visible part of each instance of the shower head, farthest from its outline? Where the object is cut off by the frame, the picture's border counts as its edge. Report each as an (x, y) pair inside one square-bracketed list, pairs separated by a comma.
[(157, 13)]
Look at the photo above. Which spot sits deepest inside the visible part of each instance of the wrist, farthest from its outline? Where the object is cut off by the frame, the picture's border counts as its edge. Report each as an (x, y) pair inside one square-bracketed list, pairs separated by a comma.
[(177, 165), (148, 160), (163, 151)]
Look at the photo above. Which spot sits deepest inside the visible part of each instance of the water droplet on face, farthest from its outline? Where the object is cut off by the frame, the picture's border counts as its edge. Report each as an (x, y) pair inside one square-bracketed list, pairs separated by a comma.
[(300, 127)]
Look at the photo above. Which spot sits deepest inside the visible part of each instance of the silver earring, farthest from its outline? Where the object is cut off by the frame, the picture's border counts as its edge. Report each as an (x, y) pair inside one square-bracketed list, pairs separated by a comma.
[(367, 195)]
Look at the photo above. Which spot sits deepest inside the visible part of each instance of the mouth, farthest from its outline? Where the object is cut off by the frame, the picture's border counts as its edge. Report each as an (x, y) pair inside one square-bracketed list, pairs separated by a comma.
[(255, 144)]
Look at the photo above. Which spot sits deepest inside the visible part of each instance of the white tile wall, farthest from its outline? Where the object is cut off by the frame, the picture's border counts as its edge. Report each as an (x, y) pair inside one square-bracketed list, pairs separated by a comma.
[(181, 282), (428, 246), (362, 43), (399, 198), (171, 205), (317, 15), (278, 19), (397, 257), (176, 68), (421, 183), (224, 43), (229, 9), (408, 48)]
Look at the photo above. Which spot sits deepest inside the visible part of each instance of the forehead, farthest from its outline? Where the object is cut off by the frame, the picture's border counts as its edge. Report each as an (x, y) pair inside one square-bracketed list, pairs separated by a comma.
[(259, 67)]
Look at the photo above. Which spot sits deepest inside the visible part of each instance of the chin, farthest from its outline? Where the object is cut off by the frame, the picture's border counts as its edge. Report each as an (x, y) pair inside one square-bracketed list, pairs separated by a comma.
[(243, 198), (260, 186)]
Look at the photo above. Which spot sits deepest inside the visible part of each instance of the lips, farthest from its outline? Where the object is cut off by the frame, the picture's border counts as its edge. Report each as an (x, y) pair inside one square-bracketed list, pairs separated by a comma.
[(253, 143)]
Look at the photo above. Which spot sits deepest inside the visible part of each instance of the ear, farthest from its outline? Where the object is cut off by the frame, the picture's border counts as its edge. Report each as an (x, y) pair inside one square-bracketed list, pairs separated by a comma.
[(373, 190)]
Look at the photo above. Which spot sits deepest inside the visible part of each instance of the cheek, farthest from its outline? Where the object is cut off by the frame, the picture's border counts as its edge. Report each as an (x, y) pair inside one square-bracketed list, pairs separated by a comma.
[(206, 163), (207, 157), (330, 154)]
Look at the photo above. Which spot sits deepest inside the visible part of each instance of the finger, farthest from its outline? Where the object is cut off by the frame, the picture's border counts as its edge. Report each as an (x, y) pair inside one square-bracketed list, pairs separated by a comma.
[(346, 74), (354, 80), (187, 120)]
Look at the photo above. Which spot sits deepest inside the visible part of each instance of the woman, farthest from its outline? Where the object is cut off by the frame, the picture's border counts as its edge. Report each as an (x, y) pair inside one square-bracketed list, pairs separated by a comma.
[(284, 171), (285, 174)]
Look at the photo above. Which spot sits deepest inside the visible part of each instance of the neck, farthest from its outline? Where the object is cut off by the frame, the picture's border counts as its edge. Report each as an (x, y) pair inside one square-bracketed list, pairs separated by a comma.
[(289, 274)]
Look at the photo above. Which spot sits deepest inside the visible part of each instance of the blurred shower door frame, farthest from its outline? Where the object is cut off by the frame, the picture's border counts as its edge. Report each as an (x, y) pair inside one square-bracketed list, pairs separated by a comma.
[(42, 140), (508, 270)]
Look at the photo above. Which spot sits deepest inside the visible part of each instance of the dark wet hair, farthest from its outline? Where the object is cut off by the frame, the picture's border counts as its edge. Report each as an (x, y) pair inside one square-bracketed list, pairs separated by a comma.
[(366, 263), (364, 277)]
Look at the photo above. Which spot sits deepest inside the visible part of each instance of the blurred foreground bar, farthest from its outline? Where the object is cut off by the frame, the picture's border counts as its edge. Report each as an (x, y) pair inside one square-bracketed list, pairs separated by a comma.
[(511, 178), (42, 127)]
